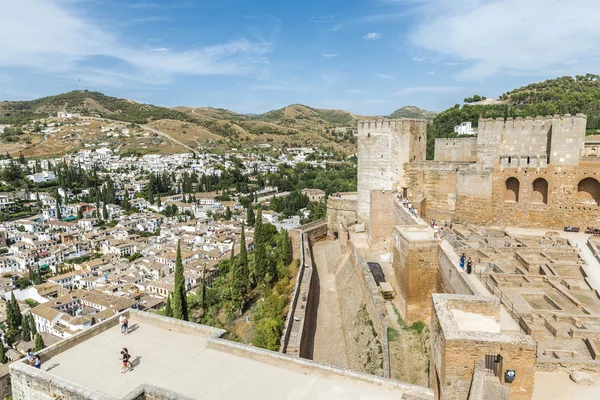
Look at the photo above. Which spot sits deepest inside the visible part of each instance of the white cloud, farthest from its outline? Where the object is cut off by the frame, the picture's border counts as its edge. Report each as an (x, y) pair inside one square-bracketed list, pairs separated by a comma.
[(330, 55), (491, 38), (160, 50), (427, 89), (48, 36), (373, 36), (451, 64), (432, 72), (419, 59), (353, 91), (379, 75)]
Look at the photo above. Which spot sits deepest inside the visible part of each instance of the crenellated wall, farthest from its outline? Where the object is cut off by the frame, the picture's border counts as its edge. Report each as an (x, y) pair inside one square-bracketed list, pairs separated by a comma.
[(456, 149)]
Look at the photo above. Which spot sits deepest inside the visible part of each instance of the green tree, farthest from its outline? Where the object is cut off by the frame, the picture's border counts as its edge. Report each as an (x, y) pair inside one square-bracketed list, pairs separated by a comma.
[(104, 211), (227, 213), (168, 309), (3, 358), (16, 316), (268, 333), (284, 247), (260, 251), (243, 258), (179, 301), (250, 218), (32, 328), (26, 330), (80, 213), (39, 343), (22, 159)]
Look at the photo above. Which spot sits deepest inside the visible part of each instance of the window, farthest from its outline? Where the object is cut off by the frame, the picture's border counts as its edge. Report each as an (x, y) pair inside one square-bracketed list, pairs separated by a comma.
[(511, 193)]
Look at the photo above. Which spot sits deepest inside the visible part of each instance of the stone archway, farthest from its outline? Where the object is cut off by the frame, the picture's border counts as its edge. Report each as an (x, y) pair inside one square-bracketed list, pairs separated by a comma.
[(588, 191), (511, 192), (540, 191)]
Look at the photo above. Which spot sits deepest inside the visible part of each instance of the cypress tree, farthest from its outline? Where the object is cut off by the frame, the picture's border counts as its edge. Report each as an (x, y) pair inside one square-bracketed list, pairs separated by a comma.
[(98, 213), (3, 358), (232, 255), (32, 328), (26, 329), (227, 213), (168, 309), (80, 213), (250, 219), (243, 252), (285, 251), (39, 343), (16, 312), (179, 293), (104, 211), (260, 252)]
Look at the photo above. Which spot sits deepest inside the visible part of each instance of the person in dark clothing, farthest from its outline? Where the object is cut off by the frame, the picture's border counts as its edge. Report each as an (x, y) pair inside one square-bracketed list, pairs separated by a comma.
[(469, 266), (462, 260)]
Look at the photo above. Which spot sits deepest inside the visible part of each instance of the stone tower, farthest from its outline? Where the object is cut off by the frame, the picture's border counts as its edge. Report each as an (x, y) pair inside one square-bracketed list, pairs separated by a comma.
[(383, 148)]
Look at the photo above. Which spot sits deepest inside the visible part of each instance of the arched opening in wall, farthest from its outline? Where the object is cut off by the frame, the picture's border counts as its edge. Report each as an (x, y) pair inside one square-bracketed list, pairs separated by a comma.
[(540, 191), (512, 190), (588, 191)]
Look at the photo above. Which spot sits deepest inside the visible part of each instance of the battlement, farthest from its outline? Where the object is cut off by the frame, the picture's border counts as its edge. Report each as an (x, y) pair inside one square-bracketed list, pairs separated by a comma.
[(387, 125), (530, 123)]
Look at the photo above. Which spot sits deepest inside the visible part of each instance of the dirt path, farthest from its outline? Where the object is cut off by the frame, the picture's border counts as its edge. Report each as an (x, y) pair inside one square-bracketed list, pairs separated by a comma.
[(326, 336)]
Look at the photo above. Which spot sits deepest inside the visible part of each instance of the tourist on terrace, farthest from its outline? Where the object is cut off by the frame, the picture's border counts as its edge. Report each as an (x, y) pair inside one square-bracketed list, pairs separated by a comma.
[(462, 260), (469, 265)]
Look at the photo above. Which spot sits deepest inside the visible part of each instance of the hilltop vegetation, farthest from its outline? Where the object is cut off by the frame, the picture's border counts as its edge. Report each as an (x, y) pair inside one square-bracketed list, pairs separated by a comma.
[(413, 112), (564, 95), (86, 103)]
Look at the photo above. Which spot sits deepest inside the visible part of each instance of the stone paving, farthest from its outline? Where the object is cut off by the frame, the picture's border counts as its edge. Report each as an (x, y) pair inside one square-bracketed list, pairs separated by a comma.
[(183, 363)]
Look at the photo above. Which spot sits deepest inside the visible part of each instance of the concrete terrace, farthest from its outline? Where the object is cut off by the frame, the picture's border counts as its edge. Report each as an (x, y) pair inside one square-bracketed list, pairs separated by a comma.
[(189, 360)]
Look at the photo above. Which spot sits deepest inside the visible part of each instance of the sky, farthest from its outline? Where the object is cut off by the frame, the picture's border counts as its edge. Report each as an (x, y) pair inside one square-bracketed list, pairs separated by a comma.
[(369, 57)]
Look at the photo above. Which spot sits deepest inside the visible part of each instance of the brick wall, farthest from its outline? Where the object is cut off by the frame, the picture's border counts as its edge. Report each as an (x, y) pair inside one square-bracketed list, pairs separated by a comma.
[(415, 269)]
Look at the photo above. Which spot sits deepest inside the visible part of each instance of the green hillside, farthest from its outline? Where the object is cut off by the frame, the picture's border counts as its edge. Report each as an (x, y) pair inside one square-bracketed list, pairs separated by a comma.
[(86, 103), (564, 95), (412, 112)]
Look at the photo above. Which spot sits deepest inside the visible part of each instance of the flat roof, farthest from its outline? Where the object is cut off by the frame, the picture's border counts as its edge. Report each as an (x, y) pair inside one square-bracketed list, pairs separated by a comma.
[(199, 366)]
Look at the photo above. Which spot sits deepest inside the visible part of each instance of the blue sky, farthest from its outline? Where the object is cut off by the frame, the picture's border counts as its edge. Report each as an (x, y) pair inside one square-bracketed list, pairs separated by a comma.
[(369, 57)]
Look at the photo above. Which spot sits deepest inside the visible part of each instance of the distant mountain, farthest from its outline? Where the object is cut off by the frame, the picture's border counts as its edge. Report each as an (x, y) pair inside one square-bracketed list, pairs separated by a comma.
[(295, 125), (413, 112)]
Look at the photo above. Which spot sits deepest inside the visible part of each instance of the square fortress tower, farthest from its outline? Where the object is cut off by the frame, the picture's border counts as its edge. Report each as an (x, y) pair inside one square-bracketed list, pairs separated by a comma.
[(383, 148)]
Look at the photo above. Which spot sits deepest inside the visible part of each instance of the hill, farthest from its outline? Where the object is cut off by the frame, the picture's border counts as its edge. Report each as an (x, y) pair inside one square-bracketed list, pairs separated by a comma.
[(563, 95), (86, 103), (413, 112), (153, 128)]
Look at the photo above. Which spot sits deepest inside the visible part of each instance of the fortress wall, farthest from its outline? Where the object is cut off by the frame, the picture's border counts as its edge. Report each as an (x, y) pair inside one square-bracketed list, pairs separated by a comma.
[(525, 137), (568, 134), (415, 254), (341, 209), (473, 195), (383, 148), (565, 205), (380, 222), (456, 149), (436, 182)]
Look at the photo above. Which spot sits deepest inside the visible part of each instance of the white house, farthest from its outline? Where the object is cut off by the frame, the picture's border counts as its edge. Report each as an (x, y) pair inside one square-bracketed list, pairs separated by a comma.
[(464, 129)]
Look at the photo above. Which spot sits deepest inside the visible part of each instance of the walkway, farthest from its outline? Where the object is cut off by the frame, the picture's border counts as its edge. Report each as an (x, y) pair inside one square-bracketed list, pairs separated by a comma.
[(328, 345), (507, 322)]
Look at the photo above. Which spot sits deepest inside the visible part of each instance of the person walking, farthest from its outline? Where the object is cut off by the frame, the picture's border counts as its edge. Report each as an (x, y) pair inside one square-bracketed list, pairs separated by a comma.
[(469, 265), (124, 324), (125, 359), (462, 260), (37, 362)]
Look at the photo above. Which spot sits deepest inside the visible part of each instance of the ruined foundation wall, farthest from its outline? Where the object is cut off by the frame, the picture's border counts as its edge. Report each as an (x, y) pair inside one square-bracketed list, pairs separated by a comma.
[(363, 341), (341, 209)]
